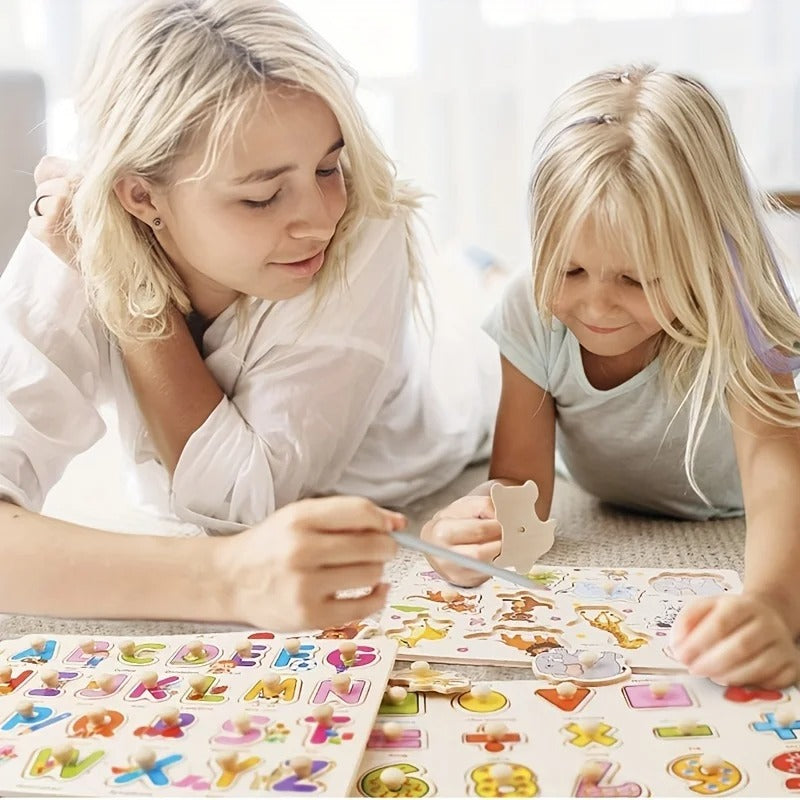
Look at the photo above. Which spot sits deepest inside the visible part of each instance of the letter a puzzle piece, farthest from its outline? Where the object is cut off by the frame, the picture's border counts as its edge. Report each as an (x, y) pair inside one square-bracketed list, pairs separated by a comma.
[(525, 537)]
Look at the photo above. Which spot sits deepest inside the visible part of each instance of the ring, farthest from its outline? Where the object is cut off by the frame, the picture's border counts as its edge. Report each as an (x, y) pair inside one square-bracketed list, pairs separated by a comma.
[(35, 206)]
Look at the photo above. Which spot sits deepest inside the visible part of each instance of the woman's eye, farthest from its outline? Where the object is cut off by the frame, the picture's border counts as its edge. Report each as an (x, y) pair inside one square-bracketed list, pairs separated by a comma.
[(261, 203), (631, 281), (571, 273), (326, 173)]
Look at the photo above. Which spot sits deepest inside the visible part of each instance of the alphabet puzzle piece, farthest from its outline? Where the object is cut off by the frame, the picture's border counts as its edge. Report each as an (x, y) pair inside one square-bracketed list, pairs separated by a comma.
[(525, 537)]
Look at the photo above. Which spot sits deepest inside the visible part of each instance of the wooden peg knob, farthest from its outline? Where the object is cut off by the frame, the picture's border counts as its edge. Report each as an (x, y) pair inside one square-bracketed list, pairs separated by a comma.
[(148, 679), (244, 648), (323, 714), (87, 646), (502, 774), (198, 683), (481, 691), (449, 595), (785, 716), (5, 674), (347, 650), (272, 680), (711, 763), (242, 722), (170, 715), (659, 690), (495, 730), (341, 681), (25, 709), (128, 647), (392, 730), (396, 694), (393, 778), (566, 689), (588, 658), (301, 766), (196, 648), (106, 681), (38, 643), (228, 761), (421, 668), (292, 646), (49, 678), (97, 716), (63, 753), (145, 758)]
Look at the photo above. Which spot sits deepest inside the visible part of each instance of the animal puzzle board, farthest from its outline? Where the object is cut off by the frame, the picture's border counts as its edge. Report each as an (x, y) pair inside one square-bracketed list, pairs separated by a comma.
[(174, 716), (630, 611), (664, 736)]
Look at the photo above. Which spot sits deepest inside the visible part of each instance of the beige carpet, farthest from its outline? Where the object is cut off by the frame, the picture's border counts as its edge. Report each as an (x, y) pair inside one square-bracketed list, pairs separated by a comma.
[(588, 534)]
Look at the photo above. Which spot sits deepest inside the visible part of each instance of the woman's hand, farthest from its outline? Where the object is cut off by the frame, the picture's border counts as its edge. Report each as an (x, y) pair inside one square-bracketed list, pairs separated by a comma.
[(285, 573), (49, 212)]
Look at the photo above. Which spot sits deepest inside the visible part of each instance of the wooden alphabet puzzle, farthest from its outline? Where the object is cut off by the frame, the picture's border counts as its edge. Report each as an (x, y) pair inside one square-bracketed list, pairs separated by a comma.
[(173, 716), (630, 611), (670, 736)]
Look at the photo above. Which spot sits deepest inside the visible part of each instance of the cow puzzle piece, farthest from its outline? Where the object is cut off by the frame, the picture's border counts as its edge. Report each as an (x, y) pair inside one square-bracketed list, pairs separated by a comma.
[(525, 537)]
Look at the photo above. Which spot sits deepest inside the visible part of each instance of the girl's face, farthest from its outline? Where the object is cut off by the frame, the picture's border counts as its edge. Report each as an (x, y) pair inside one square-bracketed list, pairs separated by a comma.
[(602, 300), (259, 221)]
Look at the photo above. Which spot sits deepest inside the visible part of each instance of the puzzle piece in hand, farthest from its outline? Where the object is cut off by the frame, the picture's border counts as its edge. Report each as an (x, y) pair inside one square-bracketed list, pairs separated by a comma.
[(525, 537)]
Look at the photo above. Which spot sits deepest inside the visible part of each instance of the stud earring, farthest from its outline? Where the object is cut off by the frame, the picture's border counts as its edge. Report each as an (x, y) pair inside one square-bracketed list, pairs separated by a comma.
[(157, 222)]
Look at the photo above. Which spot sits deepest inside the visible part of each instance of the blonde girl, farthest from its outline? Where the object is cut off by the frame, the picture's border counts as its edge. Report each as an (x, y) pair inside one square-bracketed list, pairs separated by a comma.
[(250, 268), (653, 345)]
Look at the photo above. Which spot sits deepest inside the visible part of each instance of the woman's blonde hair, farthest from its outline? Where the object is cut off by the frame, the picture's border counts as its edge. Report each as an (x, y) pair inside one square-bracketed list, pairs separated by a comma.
[(172, 73), (648, 158)]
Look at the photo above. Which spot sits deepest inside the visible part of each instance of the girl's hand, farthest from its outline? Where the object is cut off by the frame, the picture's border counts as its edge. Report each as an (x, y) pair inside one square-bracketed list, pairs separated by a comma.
[(55, 185), (467, 526), (284, 574), (736, 640)]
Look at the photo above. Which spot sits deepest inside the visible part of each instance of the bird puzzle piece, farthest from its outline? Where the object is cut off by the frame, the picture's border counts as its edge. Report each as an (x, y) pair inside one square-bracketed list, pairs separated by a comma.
[(525, 537)]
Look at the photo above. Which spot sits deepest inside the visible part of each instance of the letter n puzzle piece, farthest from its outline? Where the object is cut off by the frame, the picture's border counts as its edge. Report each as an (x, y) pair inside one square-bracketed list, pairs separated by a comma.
[(525, 537)]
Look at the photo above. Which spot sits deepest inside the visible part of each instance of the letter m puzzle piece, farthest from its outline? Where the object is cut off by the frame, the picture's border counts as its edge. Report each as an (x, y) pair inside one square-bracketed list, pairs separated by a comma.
[(525, 537)]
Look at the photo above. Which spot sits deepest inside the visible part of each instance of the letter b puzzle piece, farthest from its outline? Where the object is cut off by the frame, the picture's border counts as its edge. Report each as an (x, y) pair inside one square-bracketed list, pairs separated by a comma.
[(525, 537)]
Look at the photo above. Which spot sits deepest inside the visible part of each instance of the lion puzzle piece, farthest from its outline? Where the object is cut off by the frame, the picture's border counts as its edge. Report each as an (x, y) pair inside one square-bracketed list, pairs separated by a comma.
[(525, 537)]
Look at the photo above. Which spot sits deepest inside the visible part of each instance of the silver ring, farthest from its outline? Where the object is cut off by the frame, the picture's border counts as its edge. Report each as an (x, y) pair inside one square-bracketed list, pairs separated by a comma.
[(35, 205)]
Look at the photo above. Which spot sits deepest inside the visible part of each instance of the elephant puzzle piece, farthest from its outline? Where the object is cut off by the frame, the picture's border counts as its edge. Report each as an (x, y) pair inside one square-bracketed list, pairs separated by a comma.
[(525, 537)]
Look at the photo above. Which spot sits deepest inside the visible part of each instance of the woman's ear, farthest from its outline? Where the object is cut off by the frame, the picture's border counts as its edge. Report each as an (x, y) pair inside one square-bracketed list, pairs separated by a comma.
[(134, 194)]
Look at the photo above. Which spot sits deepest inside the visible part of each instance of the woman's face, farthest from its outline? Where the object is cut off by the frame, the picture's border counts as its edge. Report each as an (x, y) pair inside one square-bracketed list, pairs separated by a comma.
[(259, 221)]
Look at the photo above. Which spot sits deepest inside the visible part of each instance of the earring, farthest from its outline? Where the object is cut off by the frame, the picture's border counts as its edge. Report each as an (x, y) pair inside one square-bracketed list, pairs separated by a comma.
[(157, 222)]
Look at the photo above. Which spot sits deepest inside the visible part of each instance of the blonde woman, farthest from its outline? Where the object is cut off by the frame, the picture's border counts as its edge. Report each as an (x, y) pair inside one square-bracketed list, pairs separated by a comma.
[(251, 274), (653, 344)]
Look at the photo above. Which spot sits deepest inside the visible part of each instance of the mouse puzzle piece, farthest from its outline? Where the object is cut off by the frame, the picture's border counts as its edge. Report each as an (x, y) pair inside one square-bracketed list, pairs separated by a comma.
[(421, 677), (525, 537)]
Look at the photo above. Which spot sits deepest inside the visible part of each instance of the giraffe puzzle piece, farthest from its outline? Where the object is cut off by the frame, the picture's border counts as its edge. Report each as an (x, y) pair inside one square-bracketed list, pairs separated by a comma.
[(525, 537)]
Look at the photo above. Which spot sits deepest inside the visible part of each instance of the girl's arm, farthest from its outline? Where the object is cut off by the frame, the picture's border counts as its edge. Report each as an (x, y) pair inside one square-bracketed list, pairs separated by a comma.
[(523, 449), (281, 575), (175, 391), (749, 638)]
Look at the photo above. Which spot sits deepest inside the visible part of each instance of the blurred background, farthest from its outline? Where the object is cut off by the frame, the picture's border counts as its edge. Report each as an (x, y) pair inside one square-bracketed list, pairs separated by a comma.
[(456, 89)]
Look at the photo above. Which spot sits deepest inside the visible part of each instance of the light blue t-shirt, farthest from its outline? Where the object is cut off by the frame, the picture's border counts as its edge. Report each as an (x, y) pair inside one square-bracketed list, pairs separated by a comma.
[(623, 445)]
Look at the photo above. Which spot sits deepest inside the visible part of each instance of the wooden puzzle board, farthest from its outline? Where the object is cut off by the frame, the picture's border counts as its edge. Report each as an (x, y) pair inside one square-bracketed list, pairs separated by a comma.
[(641, 744), (630, 611), (281, 725)]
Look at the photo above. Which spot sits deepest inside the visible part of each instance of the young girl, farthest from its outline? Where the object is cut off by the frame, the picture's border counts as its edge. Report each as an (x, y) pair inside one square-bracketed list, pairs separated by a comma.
[(251, 274), (653, 345)]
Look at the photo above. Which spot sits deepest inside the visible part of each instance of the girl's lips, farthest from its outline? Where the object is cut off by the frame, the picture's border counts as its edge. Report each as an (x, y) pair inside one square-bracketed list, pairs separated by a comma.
[(305, 268)]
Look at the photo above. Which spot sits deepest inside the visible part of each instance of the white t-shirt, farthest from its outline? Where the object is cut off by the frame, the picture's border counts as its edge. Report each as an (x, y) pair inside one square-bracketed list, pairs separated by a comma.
[(350, 398), (623, 445)]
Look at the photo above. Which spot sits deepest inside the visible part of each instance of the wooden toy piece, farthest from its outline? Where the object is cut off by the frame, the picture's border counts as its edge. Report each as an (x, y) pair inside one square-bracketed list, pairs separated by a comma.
[(301, 766), (87, 646), (785, 717), (242, 723), (420, 677), (501, 774), (421, 668), (272, 680), (588, 658), (292, 646), (659, 690), (49, 678), (244, 648), (392, 730), (106, 682), (196, 648), (5, 674), (393, 778), (127, 648), (481, 691), (592, 771), (198, 683), (323, 714), (591, 726), (25, 709), (448, 595), (495, 731), (341, 681), (609, 586), (63, 753), (38, 643), (525, 537), (396, 694), (148, 678), (145, 758), (711, 763), (97, 716), (347, 652), (566, 689), (686, 726), (170, 715), (228, 761)]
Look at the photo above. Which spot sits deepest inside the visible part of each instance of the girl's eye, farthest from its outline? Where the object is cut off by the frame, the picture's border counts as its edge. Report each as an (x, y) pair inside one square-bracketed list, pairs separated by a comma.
[(262, 203), (326, 173), (631, 281), (571, 273)]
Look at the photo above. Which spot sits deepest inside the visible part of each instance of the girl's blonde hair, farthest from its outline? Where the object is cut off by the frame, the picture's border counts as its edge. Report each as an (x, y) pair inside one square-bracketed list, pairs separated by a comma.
[(170, 74), (648, 158)]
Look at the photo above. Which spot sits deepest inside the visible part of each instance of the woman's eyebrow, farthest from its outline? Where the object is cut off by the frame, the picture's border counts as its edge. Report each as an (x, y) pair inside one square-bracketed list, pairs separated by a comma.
[(267, 174)]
